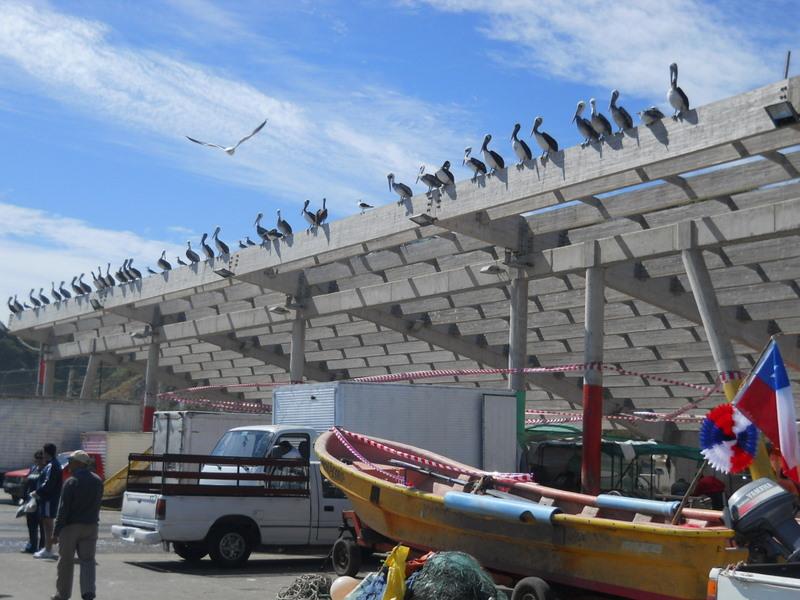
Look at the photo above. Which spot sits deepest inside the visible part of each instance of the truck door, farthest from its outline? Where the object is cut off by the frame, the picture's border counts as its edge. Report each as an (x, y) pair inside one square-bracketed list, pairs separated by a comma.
[(286, 516), (328, 502)]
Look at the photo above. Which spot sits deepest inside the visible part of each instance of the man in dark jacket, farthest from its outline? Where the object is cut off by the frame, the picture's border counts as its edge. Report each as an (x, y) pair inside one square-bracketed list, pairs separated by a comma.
[(35, 531), (76, 527), (48, 491)]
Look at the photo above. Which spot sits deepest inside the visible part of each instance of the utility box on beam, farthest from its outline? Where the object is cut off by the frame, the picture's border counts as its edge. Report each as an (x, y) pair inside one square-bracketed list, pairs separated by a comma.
[(475, 426)]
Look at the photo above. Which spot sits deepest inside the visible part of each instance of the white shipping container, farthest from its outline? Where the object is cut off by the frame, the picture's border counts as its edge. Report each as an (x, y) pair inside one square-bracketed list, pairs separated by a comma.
[(475, 426), (115, 446), (196, 432)]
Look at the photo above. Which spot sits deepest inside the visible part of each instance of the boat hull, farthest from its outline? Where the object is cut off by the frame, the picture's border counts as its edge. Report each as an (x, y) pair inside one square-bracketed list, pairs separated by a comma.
[(634, 560)]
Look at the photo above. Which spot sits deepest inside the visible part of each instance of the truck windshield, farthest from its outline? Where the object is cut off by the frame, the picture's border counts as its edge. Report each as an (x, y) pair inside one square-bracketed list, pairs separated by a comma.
[(250, 444)]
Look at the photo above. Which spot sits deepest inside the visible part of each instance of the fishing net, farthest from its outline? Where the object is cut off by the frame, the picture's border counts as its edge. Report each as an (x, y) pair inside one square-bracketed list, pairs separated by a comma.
[(307, 587), (452, 576)]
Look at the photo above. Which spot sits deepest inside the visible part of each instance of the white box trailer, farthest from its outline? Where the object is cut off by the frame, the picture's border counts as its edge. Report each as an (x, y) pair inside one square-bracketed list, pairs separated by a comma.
[(476, 426), (197, 432), (115, 446)]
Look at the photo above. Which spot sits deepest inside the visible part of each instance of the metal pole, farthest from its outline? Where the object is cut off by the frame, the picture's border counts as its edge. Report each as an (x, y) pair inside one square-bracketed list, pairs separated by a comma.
[(786, 68), (593, 380), (150, 386), (297, 357), (518, 329), (87, 389), (721, 346)]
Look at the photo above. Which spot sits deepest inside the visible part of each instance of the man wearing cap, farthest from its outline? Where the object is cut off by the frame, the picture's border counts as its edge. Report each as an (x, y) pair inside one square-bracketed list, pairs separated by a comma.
[(76, 527)]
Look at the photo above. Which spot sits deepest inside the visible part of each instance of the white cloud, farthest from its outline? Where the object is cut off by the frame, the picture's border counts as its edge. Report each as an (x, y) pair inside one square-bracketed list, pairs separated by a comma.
[(330, 143), (629, 45), (42, 247)]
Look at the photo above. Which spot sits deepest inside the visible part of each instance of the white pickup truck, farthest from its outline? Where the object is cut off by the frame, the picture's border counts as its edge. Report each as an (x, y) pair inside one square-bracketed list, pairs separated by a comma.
[(755, 582), (260, 487)]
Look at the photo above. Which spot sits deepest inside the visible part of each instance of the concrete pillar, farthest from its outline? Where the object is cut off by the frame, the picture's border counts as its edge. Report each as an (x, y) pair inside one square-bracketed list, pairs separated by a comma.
[(297, 357), (49, 376), (150, 386), (518, 329), (87, 389), (721, 347), (70, 382), (594, 314)]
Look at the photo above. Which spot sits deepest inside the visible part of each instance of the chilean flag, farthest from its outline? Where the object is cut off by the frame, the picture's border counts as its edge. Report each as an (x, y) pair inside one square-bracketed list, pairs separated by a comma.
[(766, 399)]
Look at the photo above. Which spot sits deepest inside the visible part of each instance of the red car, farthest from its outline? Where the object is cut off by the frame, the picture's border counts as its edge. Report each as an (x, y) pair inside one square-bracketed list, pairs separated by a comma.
[(14, 481)]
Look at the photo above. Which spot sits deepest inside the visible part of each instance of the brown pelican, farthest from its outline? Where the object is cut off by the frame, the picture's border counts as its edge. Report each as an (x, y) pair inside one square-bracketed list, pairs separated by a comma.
[(109, 277), (584, 126), (98, 283), (521, 149), (675, 95), (12, 306), (230, 150), (477, 166), (34, 299), (76, 288), (445, 175), (65, 295), (56, 296), (283, 226), (310, 217), (546, 141), (401, 189), (599, 122), (163, 263), (87, 289), (322, 214), (42, 298), (430, 180), (133, 271), (650, 115), (621, 116), (492, 158), (262, 232), (206, 248), (221, 246)]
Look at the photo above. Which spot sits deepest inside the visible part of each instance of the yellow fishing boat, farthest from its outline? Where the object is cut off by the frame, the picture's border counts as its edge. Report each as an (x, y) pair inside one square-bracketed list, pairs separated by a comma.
[(606, 543)]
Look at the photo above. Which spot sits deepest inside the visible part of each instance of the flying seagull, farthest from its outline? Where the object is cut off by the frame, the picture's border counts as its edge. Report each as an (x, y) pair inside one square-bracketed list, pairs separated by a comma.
[(230, 150)]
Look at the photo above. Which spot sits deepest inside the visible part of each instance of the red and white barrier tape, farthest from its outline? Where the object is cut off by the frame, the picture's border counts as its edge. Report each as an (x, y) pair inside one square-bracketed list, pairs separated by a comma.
[(363, 459), (431, 463)]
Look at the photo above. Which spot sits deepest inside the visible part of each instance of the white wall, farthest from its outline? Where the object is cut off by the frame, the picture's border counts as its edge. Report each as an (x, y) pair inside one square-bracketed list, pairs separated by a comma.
[(28, 423)]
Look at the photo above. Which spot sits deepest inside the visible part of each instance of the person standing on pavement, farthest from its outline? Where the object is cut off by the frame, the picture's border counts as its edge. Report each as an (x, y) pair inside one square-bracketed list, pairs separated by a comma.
[(48, 491), (35, 532), (76, 527)]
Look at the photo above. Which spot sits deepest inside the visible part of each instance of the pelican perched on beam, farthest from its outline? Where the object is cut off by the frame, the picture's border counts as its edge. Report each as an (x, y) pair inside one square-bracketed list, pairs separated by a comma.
[(34, 299), (310, 217), (133, 271), (599, 122), (54, 293), (584, 126), (476, 165), (650, 115), (260, 230), (221, 246), (445, 175), (621, 116), (283, 226), (545, 141), (492, 158), (87, 289), (65, 295), (163, 263), (401, 189), (109, 277), (207, 250), (12, 306), (430, 180), (191, 254), (75, 287), (322, 214), (675, 95), (521, 149)]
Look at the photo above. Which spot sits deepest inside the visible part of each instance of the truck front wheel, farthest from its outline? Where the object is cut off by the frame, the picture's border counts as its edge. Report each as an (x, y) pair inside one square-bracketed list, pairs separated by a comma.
[(190, 552), (346, 555), (229, 546)]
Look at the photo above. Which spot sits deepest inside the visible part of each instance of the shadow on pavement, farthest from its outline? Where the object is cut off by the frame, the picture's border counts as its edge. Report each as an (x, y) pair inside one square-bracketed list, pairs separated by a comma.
[(253, 567)]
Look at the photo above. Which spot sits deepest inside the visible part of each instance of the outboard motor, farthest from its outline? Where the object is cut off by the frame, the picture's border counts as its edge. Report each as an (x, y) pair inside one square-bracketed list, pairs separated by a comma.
[(762, 514)]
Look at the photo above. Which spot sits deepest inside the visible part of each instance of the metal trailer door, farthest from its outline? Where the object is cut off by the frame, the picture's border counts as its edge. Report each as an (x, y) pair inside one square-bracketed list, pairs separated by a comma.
[(499, 440)]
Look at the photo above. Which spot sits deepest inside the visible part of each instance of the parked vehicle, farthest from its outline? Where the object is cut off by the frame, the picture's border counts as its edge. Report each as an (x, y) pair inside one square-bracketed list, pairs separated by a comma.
[(260, 487), (15, 481), (195, 431)]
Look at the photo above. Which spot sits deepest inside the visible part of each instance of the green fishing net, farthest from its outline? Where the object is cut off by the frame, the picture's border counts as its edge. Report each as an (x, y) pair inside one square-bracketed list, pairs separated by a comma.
[(452, 576)]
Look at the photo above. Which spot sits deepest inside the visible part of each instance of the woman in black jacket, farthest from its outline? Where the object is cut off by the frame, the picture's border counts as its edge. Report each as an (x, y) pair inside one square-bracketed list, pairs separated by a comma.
[(35, 531)]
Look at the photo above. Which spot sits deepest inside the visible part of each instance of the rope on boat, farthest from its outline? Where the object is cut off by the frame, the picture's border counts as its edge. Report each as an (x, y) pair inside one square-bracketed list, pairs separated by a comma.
[(338, 432), (506, 477), (307, 587)]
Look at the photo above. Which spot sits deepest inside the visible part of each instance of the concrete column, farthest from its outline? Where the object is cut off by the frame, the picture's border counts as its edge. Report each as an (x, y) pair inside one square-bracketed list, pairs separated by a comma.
[(87, 389), (594, 314), (70, 382), (721, 347), (49, 377), (297, 357), (150, 386), (518, 329)]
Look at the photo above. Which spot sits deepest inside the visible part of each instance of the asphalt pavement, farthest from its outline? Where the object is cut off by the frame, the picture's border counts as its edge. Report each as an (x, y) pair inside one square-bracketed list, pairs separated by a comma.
[(135, 572)]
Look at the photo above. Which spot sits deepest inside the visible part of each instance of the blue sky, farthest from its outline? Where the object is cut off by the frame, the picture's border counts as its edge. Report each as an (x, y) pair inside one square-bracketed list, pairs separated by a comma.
[(95, 98)]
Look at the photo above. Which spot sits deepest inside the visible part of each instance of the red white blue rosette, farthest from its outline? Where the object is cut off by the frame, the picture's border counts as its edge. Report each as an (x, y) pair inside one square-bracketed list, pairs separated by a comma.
[(728, 440)]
